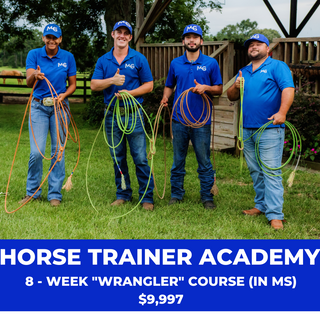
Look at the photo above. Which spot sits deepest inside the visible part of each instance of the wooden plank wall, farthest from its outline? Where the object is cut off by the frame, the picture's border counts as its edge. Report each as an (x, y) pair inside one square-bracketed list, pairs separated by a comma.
[(300, 51), (160, 56)]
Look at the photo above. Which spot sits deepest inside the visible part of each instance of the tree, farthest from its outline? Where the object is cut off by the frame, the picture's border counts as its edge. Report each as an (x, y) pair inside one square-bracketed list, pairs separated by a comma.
[(176, 16), (81, 22), (17, 58), (269, 33), (240, 32)]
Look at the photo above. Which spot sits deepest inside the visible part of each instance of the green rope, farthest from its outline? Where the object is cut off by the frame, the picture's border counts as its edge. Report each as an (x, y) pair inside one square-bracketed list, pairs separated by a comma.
[(131, 106), (240, 142), (296, 141)]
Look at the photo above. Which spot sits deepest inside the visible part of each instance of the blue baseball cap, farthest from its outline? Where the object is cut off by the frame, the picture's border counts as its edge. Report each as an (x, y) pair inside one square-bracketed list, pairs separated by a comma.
[(257, 37), (122, 24), (52, 29), (192, 28)]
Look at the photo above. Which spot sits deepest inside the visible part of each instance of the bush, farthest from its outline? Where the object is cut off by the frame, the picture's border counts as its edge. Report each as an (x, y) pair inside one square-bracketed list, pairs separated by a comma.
[(304, 114), (94, 111)]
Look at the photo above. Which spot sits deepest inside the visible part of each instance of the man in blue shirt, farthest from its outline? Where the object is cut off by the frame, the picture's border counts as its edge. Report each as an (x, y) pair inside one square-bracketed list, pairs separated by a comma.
[(124, 69), (268, 95), (202, 73)]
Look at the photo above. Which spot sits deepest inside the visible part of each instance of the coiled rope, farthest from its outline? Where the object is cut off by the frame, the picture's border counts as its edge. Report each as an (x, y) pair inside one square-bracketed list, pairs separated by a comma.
[(131, 106), (62, 113), (207, 109), (296, 141)]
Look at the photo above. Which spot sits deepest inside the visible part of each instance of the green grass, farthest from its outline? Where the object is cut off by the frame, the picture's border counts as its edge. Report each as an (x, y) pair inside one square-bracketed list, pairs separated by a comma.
[(25, 89), (76, 219)]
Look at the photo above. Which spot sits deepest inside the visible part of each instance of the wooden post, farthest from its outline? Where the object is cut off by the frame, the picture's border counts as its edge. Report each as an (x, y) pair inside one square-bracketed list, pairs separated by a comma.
[(139, 21), (287, 52), (295, 55), (84, 90), (228, 63)]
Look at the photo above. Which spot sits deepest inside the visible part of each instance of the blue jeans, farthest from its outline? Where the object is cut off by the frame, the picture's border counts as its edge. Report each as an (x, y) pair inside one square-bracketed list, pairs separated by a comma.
[(43, 120), (269, 190), (200, 138), (137, 144)]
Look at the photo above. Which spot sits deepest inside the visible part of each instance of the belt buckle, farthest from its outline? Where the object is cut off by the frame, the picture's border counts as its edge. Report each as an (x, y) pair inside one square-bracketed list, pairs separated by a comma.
[(48, 102)]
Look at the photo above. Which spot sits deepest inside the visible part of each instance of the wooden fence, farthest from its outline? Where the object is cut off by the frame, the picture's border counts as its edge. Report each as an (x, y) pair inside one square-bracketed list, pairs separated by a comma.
[(85, 87), (160, 55), (302, 56)]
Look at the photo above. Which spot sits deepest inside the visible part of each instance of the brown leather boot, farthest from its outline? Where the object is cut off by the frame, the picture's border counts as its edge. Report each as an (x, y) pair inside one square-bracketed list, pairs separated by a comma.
[(148, 206), (55, 202), (252, 212), (276, 224), (118, 202)]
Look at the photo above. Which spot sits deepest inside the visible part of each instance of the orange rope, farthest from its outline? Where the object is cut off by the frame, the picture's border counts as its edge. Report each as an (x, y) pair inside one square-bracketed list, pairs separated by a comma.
[(62, 113)]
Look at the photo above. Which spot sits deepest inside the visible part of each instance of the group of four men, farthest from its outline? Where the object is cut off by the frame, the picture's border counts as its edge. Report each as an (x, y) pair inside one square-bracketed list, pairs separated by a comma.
[(269, 92), (268, 95)]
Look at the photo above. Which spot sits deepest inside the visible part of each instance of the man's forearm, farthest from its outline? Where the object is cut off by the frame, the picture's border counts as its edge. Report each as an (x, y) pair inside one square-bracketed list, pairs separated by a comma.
[(143, 89), (233, 93), (287, 97), (99, 85), (214, 90)]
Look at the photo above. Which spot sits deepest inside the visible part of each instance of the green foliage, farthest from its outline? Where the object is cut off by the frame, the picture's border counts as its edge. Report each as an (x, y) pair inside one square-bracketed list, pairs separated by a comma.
[(170, 25), (269, 33), (9, 56), (79, 20), (82, 26), (94, 110), (304, 114), (240, 32)]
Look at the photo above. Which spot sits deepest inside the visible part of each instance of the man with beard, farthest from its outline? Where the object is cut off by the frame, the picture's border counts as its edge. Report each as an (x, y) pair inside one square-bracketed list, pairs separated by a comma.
[(201, 72), (268, 95)]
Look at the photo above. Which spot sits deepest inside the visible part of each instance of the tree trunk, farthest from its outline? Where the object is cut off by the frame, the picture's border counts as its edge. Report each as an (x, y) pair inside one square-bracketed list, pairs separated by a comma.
[(119, 10)]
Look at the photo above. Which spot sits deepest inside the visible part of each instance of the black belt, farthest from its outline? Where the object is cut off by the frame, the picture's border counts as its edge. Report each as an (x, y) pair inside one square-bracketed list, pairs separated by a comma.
[(122, 110)]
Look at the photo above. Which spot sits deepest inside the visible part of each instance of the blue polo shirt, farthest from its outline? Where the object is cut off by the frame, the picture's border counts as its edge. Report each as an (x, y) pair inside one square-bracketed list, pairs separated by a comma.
[(262, 91), (182, 74), (55, 69), (134, 67)]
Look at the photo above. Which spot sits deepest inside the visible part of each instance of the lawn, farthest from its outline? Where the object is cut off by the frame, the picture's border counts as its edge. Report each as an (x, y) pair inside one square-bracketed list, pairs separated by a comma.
[(76, 218)]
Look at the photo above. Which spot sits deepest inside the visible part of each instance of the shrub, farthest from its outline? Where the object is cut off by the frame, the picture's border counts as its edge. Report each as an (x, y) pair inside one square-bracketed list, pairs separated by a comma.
[(304, 114), (94, 110)]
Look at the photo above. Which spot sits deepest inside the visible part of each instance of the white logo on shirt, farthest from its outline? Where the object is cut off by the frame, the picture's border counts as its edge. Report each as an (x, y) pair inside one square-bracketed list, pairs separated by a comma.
[(203, 68), (194, 28), (264, 71), (53, 28), (64, 64), (129, 66)]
